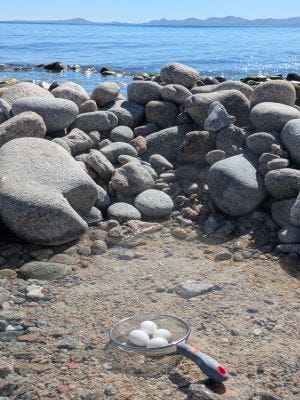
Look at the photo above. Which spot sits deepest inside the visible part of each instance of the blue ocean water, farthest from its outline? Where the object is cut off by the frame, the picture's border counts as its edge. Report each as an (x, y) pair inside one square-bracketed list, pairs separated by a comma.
[(232, 51)]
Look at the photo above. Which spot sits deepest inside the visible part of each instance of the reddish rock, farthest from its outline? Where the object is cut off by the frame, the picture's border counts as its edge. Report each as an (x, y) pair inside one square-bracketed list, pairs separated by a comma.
[(73, 365), (179, 233), (31, 337)]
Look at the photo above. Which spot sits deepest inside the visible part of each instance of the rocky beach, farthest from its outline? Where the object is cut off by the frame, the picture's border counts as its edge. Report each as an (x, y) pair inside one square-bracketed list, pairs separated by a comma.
[(182, 196)]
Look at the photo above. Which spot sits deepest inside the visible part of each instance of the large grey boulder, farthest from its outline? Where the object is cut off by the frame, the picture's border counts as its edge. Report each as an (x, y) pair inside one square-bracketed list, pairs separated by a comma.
[(123, 212), (24, 89), (235, 185), (160, 163), (71, 91), (281, 211), (270, 117), (161, 113), (88, 106), (97, 160), (43, 192), (234, 101), (105, 93), (121, 134), (141, 92), (78, 141), (217, 118), (260, 142), (100, 121), (283, 183), (128, 113), (295, 212), (166, 142), (153, 203), (179, 74), (57, 114), (175, 93), (27, 124), (290, 137), (275, 92), (229, 85), (114, 150), (130, 180)]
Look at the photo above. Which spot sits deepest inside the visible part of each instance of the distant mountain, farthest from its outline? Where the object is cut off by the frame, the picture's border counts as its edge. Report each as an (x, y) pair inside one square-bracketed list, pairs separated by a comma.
[(226, 21)]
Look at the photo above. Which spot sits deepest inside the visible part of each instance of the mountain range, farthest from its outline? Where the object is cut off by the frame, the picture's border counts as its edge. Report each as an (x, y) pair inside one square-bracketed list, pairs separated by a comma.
[(214, 21)]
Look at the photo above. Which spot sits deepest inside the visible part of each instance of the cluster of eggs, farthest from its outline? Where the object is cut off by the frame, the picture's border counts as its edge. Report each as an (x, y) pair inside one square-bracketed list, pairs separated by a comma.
[(150, 335)]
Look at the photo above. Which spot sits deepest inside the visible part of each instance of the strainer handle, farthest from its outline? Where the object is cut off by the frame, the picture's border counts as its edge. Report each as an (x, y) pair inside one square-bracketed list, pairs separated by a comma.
[(208, 365)]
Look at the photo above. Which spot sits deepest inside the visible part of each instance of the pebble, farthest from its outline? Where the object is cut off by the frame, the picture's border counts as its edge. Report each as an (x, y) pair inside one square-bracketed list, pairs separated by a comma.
[(257, 332), (238, 257)]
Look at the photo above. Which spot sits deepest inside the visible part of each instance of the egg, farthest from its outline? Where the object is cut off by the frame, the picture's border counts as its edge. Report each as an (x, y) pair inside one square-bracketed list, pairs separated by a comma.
[(148, 327), (157, 342), (163, 333), (138, 337)]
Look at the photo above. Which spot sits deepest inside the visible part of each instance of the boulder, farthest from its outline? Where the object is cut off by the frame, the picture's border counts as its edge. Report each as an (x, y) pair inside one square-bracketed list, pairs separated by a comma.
[(140, 144), (114, 150), (57, 114), (282, 92), (121, 134), (105, 93), (27, 124), (145, 130), (161, 113), (2, 117), (270, 117), (61, 142), (71, 91), (278, 164), (141, 92), (123, 212), (88, 106), (46, 271), (179, 74), (128, 113), (218, 118), (44, 192), (281, 211), (235, 185), (103, 199), (175, 93), (78, 141), (283, 183), (260, 143), (130, 180), (237, 85), (214, 156), (55, 66), (295, 212), (160, 163), (154, 203), (234, 102), (5, 108), (97, 160), (166, 142), (290, 137), (231, 140), (289, 234), (100, 121), (24, 89), (195, 146)]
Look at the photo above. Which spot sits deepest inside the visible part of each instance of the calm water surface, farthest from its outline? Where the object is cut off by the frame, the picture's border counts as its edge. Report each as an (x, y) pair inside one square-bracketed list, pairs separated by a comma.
[(233, 52)]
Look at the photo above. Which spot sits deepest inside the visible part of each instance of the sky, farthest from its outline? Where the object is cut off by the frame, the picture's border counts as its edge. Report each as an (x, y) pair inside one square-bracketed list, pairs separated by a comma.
[(143, 11)]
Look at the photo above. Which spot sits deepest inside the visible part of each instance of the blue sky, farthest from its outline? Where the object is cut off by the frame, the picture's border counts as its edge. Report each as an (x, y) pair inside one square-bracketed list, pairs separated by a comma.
[(141, 10)]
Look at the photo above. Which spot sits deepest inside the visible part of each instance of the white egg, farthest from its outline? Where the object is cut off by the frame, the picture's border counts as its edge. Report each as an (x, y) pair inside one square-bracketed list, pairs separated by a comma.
[(157, 342), (164, 333), (138, 337), (148, 327)]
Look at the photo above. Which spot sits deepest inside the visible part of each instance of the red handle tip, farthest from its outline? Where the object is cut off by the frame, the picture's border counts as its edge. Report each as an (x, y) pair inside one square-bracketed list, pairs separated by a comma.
[(221, 370)]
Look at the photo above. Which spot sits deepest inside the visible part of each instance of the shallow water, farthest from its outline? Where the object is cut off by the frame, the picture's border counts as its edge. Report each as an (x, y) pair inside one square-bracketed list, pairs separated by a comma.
[(231, 51)]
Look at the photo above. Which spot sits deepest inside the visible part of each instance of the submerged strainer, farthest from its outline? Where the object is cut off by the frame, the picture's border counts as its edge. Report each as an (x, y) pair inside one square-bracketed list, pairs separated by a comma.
[(180, 332)]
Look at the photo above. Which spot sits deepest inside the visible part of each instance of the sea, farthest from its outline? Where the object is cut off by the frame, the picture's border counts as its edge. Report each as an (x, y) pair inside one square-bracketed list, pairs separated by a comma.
[(233, 52)]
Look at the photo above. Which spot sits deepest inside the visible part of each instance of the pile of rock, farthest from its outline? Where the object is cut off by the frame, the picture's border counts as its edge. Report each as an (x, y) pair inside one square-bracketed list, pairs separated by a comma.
[(216, 153)]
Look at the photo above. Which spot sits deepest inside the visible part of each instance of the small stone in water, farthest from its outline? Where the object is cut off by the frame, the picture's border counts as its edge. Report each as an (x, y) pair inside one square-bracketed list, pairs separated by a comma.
[(138, 337), (148, 327), (157, 342), (162, 333)]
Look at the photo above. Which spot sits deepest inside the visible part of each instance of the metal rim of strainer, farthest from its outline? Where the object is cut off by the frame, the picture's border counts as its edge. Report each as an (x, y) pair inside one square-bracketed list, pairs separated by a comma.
[(143, 349)]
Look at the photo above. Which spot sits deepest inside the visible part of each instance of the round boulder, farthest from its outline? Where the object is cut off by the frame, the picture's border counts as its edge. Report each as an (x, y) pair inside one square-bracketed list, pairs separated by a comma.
[(161, 113), (289, 234), (57, 114), (270, 117), (123, 212), (274, 92), (234, 101), (283, 183), (229, 85), (175, 93), (121, 134), (128, 113), (105, 93), (260, 143), (95, 121), (281, 211), (235, 185), (290, 137), (154, 203), (24, 89), (141, 92), (179, 74), (114, 150), (71, 91)]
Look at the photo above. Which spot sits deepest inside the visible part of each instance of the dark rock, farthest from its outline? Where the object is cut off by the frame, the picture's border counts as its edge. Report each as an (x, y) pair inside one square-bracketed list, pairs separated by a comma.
[(218, 118), (231, 140), (290, 137), (283, 183), (195, 146), (55, 66), (260, 143), (128, 113), (161, 113)]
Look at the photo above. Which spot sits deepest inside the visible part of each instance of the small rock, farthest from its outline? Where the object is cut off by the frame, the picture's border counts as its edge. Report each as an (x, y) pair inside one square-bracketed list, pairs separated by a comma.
[(190, 289), (98, 247), (238, 257), (223, 255)]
